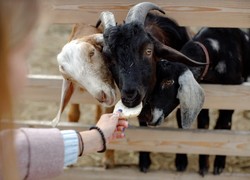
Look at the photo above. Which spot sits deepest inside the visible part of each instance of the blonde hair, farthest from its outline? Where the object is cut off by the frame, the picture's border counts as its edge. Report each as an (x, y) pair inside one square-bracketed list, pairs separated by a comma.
[(17, 20)]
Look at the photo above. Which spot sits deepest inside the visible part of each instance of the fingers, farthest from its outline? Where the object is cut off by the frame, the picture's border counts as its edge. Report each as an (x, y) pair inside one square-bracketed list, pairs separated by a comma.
[(115, 116), (120, 131), (118, 135), (118, 122), (123, 123), (117, 113), (120, 128)]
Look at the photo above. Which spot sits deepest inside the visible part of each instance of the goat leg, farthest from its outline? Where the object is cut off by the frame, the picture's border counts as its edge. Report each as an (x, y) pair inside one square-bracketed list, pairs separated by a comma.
[(74, 113), (181, 160), (144, 157), (203, 123), (224, 122), (67, 91)]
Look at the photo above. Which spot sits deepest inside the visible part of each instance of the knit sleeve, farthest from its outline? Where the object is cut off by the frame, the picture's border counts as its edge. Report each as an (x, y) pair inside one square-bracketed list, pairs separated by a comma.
[(45, 150), (40, 152), (71, 146)]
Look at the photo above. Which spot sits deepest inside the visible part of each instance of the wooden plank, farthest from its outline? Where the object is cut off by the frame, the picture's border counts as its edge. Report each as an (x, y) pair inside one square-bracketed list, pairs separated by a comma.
[(192, 141), (132, 173), (227, 96), (212, 13), (48, 88)]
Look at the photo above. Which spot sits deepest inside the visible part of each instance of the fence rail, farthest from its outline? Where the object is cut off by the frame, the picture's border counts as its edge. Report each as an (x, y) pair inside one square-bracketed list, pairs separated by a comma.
[(221, 142), (211, 13), (48, 88), (193, 141)]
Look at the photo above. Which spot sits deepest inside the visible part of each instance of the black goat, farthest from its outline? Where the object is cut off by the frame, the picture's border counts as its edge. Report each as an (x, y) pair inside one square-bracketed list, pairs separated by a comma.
[(228, 52), (133, 49)]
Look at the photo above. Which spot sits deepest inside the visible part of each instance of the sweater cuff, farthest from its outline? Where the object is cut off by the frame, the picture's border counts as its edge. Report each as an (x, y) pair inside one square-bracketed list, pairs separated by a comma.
[(71, 146)]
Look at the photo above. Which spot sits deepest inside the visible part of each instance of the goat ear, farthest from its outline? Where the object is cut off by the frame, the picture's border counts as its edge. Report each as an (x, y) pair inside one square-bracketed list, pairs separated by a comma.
[(165, 52), (96, 40), (99, 39), (67, 91), (191, 97)]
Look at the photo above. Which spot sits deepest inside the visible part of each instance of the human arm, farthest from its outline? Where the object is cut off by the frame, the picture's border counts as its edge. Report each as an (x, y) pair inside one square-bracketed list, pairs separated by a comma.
[(112, 125), (42, 152)]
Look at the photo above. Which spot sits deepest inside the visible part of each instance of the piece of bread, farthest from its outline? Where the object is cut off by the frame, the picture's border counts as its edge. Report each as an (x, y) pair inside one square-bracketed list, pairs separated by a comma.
[(128, 112)]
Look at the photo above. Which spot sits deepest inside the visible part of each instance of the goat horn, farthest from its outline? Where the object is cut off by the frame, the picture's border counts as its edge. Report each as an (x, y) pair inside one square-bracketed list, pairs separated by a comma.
[(171, 54), (140, 11), (107, 18), (174, 55)]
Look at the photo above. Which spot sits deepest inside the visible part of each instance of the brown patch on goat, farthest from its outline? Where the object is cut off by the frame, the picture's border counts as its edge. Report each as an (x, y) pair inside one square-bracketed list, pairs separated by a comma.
[(91, 40), (80, 30)]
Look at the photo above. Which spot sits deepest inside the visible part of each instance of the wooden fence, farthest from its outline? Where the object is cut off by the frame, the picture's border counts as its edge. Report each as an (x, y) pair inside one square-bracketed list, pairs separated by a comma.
[(211, 13)]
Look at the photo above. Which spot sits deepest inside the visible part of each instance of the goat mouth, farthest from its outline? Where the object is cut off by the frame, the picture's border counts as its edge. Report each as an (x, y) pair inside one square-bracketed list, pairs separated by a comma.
[(130, 103)]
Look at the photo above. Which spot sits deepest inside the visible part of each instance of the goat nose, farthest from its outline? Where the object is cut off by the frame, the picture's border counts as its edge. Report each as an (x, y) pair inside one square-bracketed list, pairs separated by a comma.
[(103, 97), (130, 94)]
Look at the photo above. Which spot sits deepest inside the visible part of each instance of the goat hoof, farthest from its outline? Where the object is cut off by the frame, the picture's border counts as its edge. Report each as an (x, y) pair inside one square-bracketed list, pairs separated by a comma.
[(181, 162), (144, 161), (203, 171), (203, 164), (218, 170), (219, 164), (144, 169)]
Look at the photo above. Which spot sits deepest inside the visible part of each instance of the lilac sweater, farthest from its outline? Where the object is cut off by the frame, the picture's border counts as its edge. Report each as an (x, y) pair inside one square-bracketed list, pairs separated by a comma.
[(40, 152)]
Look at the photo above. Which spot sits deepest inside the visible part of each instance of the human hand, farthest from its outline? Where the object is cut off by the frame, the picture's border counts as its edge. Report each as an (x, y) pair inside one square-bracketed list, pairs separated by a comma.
[(112, 125)]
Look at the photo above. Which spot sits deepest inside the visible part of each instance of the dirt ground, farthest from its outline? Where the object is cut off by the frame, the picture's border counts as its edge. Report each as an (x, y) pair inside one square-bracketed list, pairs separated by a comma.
[(43, 61)]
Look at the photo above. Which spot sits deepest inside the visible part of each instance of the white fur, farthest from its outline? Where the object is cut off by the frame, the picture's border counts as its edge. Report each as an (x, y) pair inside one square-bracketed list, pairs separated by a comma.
[(215, 44), (191, 97), (76, 65), (247, 37), (157, 114), (221, 67)]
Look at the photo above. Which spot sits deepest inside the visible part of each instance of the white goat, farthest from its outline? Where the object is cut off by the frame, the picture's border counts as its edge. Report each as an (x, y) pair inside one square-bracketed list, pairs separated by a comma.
[(82, 66)]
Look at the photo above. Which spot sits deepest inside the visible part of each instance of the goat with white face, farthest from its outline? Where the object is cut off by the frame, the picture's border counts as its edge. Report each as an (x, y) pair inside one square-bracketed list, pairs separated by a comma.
[(82, 65)]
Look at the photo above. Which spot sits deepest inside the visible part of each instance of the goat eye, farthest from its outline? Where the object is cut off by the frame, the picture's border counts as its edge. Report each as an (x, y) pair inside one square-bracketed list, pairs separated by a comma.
[(148, 52), (91, 53), (167, 83)]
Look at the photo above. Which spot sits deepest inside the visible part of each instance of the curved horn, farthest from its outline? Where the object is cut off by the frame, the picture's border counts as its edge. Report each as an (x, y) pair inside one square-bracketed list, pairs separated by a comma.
[(107, 19), (166, 52), (140, 11)]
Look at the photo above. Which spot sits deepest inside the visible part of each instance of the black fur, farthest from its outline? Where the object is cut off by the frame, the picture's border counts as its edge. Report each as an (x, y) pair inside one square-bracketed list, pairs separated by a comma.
[(229, 64), (125, 45), (133, 70)]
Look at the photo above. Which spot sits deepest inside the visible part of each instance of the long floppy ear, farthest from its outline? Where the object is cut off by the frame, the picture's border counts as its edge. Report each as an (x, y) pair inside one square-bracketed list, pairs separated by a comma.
[(165, 52), (191, 97), (67, 91)]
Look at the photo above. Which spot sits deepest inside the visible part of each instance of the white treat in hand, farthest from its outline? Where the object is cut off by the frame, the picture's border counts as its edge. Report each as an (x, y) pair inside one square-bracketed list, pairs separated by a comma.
[(128, 112)]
